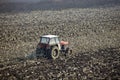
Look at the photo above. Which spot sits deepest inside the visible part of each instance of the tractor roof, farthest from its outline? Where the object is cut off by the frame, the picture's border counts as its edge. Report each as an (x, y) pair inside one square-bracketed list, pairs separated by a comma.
[(49, 36)]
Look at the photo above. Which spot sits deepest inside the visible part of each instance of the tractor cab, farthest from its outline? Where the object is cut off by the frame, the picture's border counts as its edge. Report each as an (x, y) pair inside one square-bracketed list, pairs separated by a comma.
[(48, 41)]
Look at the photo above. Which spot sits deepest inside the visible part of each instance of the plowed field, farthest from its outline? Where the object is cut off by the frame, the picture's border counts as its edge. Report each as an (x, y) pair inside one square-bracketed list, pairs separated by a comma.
[(93, 33)]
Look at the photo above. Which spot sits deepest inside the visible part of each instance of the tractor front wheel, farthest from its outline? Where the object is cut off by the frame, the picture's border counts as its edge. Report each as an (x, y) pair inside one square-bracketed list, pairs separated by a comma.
[(69, 52)]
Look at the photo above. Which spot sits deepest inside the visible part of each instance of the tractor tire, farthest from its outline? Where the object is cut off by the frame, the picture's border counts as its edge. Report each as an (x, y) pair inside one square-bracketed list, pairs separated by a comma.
[(54, 53), (69, 52), (39, 53)]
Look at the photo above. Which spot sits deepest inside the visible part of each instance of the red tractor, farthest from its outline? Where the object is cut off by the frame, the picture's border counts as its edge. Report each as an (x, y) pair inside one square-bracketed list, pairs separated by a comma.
[(50, 46)]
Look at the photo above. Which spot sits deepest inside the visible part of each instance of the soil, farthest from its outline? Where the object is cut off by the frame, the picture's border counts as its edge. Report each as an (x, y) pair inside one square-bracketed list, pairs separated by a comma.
[(93, 34), (103, 64)]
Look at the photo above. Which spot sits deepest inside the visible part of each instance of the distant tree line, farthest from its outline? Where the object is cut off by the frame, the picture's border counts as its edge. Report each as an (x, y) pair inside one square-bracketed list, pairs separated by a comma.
[(53, 4)]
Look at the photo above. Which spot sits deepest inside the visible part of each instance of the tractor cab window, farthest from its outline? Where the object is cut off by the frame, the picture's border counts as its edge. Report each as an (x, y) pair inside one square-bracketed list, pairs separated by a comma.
[(57, 40), (44, 40), (52, 41)]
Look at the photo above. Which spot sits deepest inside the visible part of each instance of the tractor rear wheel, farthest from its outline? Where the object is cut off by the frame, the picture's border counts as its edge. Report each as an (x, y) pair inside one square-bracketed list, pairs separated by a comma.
[(54, 53), (39, 53)]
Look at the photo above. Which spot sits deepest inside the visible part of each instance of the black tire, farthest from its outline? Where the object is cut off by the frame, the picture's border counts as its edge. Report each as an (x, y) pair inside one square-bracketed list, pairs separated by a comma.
[(69, 52), (39, 53), (54, 53)]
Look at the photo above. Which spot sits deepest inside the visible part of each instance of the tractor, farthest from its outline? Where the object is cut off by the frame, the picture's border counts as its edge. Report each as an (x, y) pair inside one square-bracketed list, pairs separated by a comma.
[(51, 47)]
